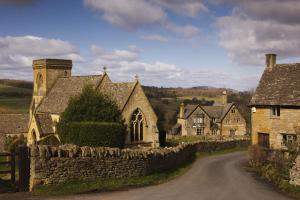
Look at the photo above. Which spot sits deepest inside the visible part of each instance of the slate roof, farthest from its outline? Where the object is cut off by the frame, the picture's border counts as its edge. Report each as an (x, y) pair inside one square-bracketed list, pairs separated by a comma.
[(65, 88), (217, 112), (57, 99), (119, 92), (45, 123), (279, 86), (14, 123)]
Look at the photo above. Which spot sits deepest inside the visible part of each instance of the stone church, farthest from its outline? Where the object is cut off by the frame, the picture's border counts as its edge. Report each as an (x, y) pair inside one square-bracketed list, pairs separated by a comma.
[(218, 120), (54, 86)]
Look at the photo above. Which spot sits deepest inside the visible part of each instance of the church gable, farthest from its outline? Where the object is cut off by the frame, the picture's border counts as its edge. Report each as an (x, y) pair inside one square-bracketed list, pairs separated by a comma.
[(138, 104)]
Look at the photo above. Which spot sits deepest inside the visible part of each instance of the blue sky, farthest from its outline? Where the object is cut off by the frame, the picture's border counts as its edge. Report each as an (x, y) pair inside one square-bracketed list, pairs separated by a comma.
[(166, 42)]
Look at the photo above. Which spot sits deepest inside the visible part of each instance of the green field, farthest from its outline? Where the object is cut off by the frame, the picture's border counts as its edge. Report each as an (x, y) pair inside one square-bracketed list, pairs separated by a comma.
[(14, 99), (217, 99), (14, 105), (11, 89)]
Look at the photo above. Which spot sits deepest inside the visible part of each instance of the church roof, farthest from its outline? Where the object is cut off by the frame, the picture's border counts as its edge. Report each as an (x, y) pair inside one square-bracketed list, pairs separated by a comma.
[(119, 92), (58, 98), (14, 123), (279, 85), (45, 123)]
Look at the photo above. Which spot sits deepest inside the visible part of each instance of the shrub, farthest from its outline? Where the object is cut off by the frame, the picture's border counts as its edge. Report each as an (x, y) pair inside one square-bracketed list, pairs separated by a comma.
[(274, 165), (94, 134), (92, 119)]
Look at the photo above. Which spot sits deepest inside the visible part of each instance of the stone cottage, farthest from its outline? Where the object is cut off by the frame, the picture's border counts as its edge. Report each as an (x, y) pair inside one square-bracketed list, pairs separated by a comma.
[(12, 125), (54, 86), (276, 105), (217, 120)]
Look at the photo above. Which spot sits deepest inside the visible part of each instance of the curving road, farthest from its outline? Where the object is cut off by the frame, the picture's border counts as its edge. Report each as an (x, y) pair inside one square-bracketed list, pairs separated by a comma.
[(211, 178)]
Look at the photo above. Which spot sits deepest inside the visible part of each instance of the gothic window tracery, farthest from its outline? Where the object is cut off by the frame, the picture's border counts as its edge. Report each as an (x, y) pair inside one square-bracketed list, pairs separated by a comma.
[(137, 126)]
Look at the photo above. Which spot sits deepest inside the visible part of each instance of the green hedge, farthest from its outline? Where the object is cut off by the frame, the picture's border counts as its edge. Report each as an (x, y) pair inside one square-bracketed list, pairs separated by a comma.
[(109, 134)]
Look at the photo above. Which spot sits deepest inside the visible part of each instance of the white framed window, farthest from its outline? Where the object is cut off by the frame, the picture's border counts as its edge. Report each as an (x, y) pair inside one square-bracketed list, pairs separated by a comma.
[(199, 131), (288, 139), (214, 131)]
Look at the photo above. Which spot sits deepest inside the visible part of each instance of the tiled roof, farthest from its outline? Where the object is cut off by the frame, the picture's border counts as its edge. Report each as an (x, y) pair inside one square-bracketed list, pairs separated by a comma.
[(14, 123), (189, 109), (118, 92), (214, 111), (57, 99), (217, 112), (45, 123), (279, 86)]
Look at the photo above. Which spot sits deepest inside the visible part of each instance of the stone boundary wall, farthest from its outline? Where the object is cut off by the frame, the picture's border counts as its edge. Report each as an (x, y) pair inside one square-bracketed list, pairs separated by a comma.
[(53, 165), (295, 172)]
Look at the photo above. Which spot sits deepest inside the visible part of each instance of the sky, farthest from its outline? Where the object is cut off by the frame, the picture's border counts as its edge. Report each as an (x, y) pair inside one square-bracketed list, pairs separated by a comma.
[(169, 43)]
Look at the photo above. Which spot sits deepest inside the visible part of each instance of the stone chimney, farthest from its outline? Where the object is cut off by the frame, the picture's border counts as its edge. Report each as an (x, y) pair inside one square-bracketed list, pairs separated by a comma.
[(270, 60), (181, 111), (224, 97)]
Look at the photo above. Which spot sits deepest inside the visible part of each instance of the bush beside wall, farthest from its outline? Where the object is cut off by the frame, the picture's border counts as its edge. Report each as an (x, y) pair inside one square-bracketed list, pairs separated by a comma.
[(108, 134)]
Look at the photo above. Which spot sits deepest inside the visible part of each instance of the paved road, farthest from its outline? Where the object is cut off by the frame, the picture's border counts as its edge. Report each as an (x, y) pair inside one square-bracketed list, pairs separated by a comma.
[(212, 178)]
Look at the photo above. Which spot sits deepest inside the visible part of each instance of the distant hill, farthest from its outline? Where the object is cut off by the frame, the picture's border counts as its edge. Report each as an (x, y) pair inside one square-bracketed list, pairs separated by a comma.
[(15, 97), (17, 83), (200, 91)]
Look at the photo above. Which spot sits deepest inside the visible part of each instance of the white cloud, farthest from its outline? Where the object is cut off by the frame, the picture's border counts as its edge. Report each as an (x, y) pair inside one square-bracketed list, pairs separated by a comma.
[(17, 53), (158, 73), (128, 13), (258, 27), (134, 14), (155, 38), (190, 8)]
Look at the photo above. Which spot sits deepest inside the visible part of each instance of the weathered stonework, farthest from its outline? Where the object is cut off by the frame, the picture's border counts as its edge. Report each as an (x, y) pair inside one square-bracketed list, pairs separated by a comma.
[(54, 87), (263, 122), (295, 172), (217, 121), (53, 165)]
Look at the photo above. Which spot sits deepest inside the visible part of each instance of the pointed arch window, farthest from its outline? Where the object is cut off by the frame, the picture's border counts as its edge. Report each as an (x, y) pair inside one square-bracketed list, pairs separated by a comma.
[(39, 81), (137, 126)]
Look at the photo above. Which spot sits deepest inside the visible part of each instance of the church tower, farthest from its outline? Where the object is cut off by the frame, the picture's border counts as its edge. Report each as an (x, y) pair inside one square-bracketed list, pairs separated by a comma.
[(45, 74)]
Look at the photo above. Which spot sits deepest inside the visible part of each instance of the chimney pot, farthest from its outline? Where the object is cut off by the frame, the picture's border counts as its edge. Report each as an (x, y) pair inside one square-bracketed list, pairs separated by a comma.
[(270, 60)]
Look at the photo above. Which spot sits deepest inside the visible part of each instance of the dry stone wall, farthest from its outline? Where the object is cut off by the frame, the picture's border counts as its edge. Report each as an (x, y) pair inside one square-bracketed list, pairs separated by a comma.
[(53, 165), (295, 172)]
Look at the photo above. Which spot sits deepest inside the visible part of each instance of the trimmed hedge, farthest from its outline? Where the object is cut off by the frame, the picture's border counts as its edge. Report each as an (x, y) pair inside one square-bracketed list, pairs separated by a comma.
[(109, 134)]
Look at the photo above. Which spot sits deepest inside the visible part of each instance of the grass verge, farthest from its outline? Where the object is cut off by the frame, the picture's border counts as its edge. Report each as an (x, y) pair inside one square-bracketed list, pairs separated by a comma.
[(283, 187), (220, 152)]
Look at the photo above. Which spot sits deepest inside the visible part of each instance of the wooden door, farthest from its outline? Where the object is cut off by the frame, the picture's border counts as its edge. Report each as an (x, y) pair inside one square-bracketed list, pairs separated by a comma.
[(264, 140)]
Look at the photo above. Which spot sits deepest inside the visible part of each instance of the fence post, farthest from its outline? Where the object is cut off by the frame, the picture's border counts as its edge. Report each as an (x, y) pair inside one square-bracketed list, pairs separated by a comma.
[(12, 166), (24, 168)]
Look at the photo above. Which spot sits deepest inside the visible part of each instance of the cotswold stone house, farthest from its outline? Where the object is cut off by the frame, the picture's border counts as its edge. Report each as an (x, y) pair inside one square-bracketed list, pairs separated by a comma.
[(12, 125), (218, 120), (276, 105), (54, 86)]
